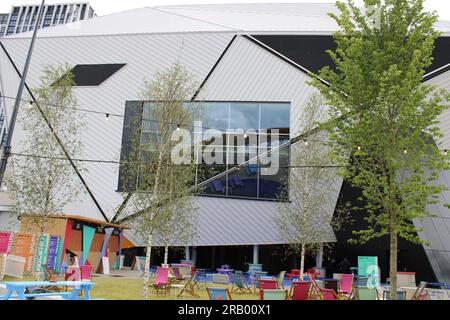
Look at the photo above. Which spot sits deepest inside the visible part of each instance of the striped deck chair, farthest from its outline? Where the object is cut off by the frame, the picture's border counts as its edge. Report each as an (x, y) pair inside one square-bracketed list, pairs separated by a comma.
[(239, 284), (275, 294), (219, 293), (189, 287)]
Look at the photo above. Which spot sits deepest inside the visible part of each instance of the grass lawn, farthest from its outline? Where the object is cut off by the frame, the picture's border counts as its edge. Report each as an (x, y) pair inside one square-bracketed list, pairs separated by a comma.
[(131, 289)]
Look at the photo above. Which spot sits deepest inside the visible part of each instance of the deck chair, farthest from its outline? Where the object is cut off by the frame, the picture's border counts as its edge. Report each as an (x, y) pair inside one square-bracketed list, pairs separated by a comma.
[(178, 277), (300, 290), (257, 278), (239, 284), (419, 291), (161, 280), (189, 287), (346, 288), (329, 294), (86, 273), (366, 293), (275, 294), (51, 277), (48, 274), (267, 284), (315, 291), (281, 279), (219, 293)]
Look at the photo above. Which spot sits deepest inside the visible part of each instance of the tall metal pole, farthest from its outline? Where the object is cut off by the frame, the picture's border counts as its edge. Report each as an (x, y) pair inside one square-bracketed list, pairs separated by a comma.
[(7, 145)]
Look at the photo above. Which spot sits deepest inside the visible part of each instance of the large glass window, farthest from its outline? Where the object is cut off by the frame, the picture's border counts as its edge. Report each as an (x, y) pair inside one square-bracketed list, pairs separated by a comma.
[(247, 130)]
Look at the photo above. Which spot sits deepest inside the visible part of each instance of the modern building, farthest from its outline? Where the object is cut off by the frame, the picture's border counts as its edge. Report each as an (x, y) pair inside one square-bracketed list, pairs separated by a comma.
[(3, 23), (24, 18), (252, 61)]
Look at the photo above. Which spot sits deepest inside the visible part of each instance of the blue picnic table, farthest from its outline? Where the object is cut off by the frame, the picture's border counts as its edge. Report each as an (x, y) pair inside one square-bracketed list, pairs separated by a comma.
[(20, 287)]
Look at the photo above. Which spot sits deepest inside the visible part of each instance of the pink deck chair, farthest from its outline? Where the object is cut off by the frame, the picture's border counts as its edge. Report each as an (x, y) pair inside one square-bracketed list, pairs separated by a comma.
[(86, 273), (328, 294), (267, 284), (300, 290), (346, 287), (161, 280)]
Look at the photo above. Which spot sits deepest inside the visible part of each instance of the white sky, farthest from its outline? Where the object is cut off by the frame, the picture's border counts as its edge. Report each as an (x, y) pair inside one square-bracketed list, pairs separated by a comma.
[(103, 7)]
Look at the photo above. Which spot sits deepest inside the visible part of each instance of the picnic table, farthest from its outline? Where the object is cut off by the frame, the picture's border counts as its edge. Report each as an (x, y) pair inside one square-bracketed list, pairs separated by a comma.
[(20, 287), (225, 271)]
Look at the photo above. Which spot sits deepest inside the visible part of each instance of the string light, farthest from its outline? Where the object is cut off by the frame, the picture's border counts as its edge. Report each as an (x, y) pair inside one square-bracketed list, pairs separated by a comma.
[(359, 148), (107, 116), (178, 127), (306, 143), (405, 151), (446, 152), (30, 105)]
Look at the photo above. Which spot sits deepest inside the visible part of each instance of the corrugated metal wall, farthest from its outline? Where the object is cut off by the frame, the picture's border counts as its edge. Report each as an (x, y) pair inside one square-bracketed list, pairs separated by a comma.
[(144, 55)]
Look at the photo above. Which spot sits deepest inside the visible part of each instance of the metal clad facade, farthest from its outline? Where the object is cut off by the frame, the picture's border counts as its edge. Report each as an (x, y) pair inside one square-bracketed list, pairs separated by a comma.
[(144, 56)]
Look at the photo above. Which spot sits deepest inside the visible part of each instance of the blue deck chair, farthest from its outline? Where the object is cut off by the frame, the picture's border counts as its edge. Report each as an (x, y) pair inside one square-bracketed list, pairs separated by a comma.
[(239, 284), (219, 293)]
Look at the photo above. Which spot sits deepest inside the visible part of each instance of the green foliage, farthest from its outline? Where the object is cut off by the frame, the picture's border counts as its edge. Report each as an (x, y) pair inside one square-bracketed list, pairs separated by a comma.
[(43, 179), (166, 210), (303, 216), (385, 119)]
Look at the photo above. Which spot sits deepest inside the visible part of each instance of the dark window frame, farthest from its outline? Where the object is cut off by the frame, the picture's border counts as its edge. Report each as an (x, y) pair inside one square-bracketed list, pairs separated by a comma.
[(93, 75)]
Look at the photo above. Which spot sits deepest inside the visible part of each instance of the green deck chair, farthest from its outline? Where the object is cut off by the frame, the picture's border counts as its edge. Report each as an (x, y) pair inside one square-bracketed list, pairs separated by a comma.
[(281, 279), (366, 293), (278, 294)]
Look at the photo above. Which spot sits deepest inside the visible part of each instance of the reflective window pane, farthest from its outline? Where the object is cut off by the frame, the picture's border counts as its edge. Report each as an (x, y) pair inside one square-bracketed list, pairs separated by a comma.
[(275, 116), (244, 116), (215, 115)]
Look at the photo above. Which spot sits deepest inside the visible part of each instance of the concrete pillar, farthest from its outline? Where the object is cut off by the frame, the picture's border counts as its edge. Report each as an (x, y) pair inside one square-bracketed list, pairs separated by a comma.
[(319, 256), (255, 254), (194, 255), (213, 257), (187, 253)]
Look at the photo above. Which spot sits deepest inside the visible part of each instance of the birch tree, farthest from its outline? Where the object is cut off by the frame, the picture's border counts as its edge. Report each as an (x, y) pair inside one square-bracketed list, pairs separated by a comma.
[(166, 209), (44, 181), (304, 216)]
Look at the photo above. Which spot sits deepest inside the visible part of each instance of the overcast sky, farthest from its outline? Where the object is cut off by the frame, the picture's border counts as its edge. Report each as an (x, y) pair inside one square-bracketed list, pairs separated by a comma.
[(103, 7)]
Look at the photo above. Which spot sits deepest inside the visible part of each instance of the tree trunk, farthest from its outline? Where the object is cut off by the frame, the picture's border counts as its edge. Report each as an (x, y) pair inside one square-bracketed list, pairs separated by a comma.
[(166, 255), (37, 274), (393, 263), (302, 261), (147, 267), (393, 254)]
